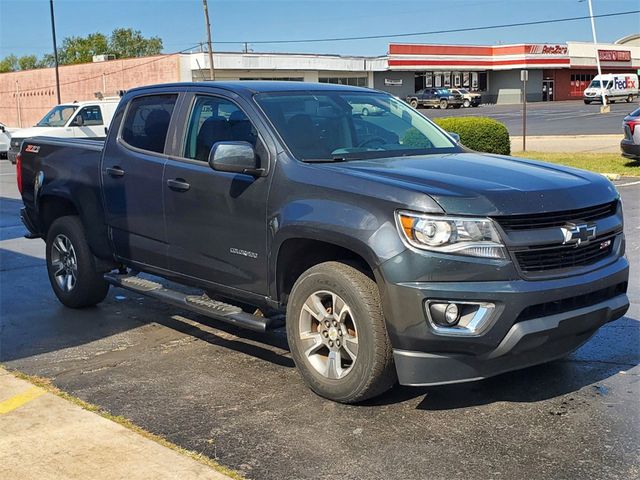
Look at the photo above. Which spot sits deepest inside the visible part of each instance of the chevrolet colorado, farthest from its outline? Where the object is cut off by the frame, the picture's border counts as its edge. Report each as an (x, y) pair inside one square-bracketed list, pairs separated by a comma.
[(396, 253)]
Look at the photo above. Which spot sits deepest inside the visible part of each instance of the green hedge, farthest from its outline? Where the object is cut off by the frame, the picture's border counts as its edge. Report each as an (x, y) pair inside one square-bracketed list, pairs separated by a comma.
[(481, 134)]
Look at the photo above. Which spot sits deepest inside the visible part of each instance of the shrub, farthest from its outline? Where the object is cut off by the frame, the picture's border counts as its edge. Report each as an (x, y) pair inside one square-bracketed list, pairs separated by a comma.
[(478, 133)]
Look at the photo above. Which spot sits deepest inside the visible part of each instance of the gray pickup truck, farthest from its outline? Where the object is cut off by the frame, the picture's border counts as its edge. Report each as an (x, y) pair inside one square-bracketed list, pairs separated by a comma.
[(396, 253)]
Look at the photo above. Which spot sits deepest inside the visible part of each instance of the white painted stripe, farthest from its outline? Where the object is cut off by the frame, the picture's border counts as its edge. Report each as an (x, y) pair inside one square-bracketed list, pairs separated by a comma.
[(628, 184)]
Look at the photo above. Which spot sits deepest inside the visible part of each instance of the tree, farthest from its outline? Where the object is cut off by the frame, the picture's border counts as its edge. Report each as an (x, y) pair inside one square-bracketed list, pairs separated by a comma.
[(9, 64), (82, 49), (128, 43), (28, 62), (123, 43)]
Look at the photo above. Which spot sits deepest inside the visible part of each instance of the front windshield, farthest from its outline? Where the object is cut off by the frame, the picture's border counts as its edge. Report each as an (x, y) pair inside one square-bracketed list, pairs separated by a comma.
[(57, 117), (330, 125), (596, 84)]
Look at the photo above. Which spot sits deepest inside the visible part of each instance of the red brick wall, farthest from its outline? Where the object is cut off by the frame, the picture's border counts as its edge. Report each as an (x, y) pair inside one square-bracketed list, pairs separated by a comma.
[(37, 91)]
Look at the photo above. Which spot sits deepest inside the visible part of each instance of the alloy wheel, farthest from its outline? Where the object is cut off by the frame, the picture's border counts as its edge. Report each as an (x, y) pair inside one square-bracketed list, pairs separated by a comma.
[(64, 263)]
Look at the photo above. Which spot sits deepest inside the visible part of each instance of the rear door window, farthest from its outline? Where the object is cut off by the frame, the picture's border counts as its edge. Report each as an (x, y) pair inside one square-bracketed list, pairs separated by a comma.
[(147, 122)]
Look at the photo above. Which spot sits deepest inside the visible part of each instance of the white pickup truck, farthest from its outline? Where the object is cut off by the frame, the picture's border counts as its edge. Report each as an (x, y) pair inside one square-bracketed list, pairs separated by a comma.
[(613, 86), (88, 120)]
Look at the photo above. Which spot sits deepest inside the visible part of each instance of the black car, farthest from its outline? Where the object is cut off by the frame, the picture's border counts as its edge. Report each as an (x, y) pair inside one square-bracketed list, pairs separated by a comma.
[(630, 144)]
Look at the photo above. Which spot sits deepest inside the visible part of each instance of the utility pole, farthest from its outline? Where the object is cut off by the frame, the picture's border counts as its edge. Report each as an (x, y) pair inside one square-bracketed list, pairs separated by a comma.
[(212, 75), (605, 108), (524, 76), (55, 50)]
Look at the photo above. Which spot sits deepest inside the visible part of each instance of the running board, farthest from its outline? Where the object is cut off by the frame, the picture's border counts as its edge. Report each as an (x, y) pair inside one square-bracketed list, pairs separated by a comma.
[(201, 304)]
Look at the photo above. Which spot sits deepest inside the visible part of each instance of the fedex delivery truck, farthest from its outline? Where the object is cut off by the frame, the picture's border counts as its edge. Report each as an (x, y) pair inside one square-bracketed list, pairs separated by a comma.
[(614, 86)]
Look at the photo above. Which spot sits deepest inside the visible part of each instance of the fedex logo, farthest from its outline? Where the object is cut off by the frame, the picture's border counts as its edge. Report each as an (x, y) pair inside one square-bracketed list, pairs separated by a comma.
[(620, 84)]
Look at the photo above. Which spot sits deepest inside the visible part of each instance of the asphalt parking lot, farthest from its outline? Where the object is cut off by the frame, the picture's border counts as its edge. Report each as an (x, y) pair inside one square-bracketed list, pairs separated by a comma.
[(549, 118), (236, 397)]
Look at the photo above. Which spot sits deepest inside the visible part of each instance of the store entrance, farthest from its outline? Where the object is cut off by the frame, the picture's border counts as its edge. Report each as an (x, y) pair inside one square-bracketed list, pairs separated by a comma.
[(547, 90)]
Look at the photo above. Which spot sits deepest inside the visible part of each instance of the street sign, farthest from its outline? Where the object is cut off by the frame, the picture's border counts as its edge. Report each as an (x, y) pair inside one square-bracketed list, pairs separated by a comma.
[(524, 75)]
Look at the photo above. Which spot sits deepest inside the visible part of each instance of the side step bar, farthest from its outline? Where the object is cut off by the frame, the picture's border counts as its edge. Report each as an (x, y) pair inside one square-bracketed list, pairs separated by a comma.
[(201, 304)]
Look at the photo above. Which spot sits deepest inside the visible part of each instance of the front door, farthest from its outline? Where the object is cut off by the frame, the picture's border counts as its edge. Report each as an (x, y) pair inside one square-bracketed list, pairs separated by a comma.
[(547, 90), (216, 221), (88, 123), (132, 180)]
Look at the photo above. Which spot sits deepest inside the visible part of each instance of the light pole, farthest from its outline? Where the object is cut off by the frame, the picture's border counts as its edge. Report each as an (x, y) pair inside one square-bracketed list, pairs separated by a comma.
[(55, 50), (605, 108)]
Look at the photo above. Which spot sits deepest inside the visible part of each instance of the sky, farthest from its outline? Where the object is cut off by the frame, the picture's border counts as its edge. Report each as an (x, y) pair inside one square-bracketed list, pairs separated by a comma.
[(25, 24)]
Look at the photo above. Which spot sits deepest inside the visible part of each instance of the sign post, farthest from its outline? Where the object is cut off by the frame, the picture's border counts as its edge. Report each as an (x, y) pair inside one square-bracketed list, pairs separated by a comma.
[(524, 76)]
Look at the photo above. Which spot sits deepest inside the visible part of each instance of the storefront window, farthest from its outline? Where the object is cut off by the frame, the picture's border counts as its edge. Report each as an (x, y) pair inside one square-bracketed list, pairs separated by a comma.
[(578, 82), (353, 81), (476, 81)]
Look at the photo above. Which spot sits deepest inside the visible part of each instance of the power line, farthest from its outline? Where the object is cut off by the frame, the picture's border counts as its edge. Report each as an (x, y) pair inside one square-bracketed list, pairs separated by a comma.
[(433, 32)]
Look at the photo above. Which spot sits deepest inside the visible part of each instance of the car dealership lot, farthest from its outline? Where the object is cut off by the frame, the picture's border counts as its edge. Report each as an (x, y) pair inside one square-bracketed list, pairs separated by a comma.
[(235, 396), (549, 118)]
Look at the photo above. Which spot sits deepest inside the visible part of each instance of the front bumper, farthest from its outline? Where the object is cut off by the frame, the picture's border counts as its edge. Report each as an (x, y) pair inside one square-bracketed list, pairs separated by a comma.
[(533, 322), (630, 149)]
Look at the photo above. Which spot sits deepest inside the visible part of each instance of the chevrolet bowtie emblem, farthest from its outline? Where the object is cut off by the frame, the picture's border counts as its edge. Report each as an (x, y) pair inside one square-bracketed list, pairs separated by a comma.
[(578, 234)]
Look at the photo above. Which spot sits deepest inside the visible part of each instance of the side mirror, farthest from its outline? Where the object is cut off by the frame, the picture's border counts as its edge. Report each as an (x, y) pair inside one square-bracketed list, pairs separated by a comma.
[(454, 136), (235, 157), (78, 121), (2, 129)]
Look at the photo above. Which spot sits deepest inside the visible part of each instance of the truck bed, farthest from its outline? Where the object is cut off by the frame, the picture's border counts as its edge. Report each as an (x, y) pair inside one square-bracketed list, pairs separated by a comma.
[(55, 168)]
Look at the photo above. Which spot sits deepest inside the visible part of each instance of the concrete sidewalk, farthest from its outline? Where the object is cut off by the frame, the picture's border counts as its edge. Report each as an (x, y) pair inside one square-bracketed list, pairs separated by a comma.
[(569, 143), (43, 436)]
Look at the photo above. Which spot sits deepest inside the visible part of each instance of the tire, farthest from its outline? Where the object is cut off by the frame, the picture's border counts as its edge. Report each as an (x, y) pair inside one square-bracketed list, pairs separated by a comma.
[(630, 99), (81, 284), (587, 102), (365, 111), (466, 103), (444, 104), (414, 103), (457, 106), (359, 323)]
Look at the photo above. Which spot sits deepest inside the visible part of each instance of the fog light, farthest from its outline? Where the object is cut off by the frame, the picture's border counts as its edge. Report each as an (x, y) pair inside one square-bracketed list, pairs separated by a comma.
[(459, 318), (451, 314)]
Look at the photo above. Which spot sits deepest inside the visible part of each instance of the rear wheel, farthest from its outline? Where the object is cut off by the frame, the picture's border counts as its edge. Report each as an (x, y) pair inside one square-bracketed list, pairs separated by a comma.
[(466, 103), (444, 104), (365, 111), (71, 265), (337, 333), (587, 102)]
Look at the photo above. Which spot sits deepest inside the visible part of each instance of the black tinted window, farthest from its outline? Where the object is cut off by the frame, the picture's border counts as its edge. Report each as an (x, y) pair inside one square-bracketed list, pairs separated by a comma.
[(147, 122), (91, 116)]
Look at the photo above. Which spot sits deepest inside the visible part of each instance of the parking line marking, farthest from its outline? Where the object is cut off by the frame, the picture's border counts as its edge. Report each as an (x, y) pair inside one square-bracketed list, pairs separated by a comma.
[(628, 184), (21, 399)]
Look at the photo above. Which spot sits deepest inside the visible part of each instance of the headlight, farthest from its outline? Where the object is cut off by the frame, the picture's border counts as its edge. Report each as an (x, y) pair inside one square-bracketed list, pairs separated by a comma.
[(476, 237)]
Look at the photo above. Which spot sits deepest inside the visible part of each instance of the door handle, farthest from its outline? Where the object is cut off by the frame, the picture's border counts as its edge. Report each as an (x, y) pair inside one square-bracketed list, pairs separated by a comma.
[(178, 185), (115, 172)]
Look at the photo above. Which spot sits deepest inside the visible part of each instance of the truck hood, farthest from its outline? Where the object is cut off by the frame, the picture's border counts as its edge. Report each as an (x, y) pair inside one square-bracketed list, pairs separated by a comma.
[(36, 131), (482, 184)]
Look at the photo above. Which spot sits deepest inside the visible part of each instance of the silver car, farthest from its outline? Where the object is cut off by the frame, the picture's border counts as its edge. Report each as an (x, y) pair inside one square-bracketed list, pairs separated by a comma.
[(630, 144)]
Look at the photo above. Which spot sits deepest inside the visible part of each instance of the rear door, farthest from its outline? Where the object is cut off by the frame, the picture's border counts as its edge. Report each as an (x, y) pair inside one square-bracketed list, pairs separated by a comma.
[(216, 221), (132, 171)]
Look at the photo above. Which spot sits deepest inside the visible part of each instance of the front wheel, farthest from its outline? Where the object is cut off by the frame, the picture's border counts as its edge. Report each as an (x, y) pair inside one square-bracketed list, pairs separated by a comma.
[(71, 266), (630, 99), (444, 104), (466, 103), (337, 334), (414, 103)]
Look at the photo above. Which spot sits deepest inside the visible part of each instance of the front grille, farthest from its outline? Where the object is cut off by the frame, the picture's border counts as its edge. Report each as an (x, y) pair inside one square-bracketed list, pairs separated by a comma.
[(557, 219), (544, 258), (572, 303)]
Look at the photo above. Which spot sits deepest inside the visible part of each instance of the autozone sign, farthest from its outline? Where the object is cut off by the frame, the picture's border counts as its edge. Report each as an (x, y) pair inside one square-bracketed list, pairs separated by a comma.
[(614, 55), (548, 49)]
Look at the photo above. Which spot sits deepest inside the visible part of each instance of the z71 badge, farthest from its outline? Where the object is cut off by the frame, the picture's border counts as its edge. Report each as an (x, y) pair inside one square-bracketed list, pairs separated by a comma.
[(32, 148)]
